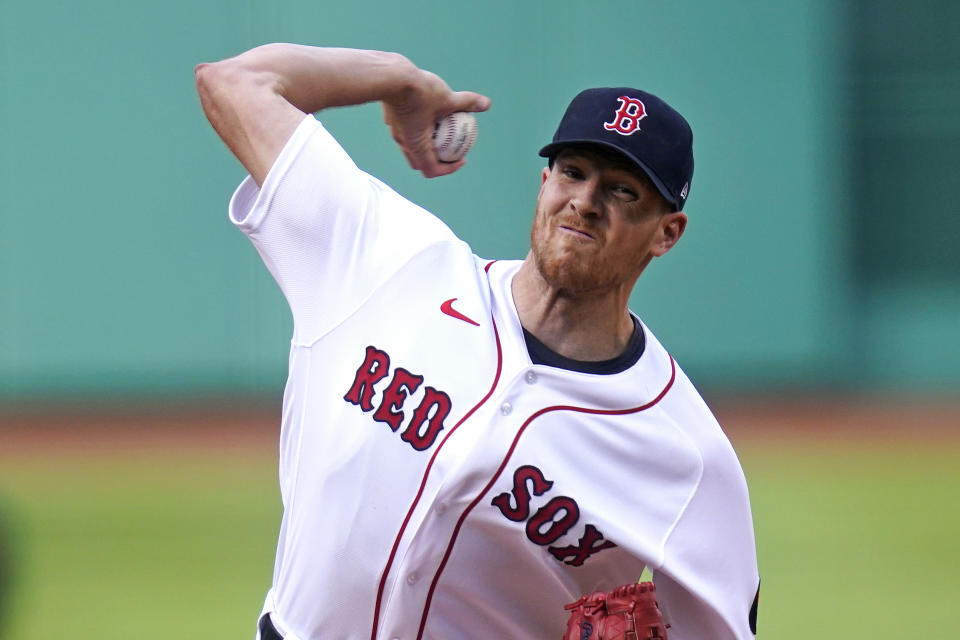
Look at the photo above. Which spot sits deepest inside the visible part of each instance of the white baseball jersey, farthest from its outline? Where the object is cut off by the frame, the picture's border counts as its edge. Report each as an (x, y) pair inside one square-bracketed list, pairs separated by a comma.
[(435, 483)]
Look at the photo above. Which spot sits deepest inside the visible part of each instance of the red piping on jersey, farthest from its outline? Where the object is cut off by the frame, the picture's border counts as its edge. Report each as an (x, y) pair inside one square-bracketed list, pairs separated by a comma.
[(426, 473), (506, 459)]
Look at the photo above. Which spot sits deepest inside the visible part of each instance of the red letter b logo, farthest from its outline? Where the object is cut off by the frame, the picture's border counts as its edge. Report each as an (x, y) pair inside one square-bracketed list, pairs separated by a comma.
[(628, 116)]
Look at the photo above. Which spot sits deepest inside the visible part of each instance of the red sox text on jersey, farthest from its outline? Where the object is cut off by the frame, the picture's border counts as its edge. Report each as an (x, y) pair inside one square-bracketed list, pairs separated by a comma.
[(549, 523)]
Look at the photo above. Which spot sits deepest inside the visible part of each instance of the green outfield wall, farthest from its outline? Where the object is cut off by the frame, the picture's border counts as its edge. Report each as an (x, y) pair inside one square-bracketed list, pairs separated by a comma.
[(821, 249)]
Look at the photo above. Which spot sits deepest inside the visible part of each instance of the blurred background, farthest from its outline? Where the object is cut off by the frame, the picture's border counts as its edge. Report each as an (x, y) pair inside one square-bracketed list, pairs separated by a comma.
[(814, 298)]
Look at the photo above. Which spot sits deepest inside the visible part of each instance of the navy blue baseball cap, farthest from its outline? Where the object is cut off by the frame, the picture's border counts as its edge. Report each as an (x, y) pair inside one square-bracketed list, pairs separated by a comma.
[(638, 125)]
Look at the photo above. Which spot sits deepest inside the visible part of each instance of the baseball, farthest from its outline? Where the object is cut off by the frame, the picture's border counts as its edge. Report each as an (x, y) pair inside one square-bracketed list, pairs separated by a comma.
[(454, 135)]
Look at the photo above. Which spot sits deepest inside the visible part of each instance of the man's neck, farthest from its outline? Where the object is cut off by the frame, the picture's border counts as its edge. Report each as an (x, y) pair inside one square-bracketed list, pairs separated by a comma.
[(589, 327)]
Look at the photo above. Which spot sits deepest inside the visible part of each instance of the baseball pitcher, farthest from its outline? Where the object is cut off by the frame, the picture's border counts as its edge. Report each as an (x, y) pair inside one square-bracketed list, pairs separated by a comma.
[(468, 446)]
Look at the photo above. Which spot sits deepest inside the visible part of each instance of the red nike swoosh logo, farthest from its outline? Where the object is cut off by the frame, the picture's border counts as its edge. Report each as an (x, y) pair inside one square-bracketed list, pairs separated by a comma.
[(447, 308)]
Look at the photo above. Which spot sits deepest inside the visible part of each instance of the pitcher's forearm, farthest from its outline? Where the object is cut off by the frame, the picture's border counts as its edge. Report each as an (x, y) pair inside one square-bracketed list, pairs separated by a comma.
[(255, 100), (315, 78)]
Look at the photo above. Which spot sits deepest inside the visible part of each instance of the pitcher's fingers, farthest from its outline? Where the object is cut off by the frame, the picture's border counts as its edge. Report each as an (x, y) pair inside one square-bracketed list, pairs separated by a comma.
[(469, 101), (437, 169)]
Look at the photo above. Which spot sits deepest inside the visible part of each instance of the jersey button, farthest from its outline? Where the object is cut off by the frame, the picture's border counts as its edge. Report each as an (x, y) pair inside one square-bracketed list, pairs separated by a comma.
[(441, 508), (531, 377), (412, 578), (506, 408)]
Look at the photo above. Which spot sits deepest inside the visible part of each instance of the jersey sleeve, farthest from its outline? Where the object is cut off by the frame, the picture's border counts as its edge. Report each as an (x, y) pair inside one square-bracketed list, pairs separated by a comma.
[(708, 582), (328, 232)]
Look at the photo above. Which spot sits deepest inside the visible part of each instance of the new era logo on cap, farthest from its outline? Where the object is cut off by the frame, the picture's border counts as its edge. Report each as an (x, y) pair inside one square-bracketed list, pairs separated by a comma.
[(637, 124)]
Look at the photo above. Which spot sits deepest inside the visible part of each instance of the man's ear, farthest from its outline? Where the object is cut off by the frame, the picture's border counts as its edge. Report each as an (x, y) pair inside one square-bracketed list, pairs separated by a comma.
[(672, 226), (543, 180)]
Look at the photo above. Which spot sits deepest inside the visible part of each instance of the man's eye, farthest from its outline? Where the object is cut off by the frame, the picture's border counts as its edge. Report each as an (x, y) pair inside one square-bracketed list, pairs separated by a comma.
[(625, 192), (572, 172)]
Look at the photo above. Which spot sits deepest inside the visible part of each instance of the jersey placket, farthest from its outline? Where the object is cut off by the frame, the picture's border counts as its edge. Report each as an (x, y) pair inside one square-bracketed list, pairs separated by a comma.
[(477, 454), (460, 471)]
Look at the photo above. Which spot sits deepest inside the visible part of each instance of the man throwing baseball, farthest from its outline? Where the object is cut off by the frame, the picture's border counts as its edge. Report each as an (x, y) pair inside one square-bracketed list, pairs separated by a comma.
[(469, 445)]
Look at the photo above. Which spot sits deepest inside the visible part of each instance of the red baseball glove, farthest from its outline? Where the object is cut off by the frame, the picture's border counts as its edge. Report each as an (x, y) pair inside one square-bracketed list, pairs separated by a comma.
[(629, 612)]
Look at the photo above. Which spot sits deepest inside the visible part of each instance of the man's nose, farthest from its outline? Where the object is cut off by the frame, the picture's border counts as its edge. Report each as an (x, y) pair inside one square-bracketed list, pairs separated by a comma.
[(586, 199)]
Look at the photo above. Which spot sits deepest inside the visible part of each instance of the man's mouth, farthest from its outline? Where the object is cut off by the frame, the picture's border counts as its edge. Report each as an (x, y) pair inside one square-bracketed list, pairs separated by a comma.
[(580, 233)]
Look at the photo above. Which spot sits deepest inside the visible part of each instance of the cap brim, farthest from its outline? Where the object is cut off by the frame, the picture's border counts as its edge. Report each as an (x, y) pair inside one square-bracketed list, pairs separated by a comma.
[(554, 148)]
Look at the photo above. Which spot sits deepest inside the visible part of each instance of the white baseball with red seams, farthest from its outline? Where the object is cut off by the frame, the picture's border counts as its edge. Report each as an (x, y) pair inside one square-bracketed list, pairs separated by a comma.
[(435, 483), (454, 135)]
